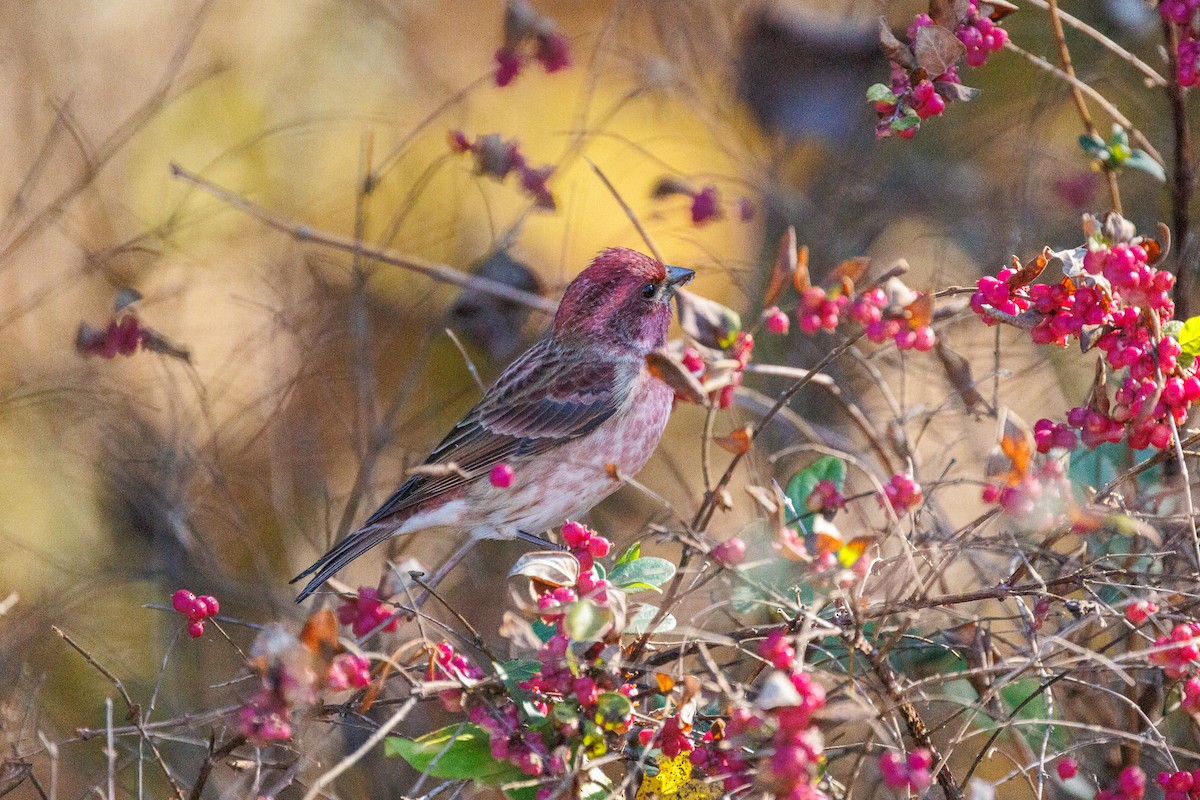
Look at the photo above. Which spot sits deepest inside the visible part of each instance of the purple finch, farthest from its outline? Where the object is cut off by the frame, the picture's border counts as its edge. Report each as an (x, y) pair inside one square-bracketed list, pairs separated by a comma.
[(577, 404)]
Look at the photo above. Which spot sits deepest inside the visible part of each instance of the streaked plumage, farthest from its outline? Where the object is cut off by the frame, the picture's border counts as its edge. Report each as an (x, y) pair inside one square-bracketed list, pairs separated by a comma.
[(574, 403)]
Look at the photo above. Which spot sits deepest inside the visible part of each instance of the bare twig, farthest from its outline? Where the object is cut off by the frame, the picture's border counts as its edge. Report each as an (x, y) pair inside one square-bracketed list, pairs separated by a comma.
[(349, 761), (430, 269), (1152, 77), (1064, 55), (1182, 177), (1098, 98)]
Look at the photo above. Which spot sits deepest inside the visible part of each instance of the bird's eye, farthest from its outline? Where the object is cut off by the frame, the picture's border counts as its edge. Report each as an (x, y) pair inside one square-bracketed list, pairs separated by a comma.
[(649, 290)]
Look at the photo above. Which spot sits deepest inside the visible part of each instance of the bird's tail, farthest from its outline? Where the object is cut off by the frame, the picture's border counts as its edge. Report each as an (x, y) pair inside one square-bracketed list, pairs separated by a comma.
[(345, 551)]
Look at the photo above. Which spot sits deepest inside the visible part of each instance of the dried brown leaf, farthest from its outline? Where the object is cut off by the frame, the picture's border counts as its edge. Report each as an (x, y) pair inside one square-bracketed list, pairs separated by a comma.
[(784, 268), (737, 442), (800, 278), (937, 49), (1029, 273), (671, 371), (958, 370), (893, 48)]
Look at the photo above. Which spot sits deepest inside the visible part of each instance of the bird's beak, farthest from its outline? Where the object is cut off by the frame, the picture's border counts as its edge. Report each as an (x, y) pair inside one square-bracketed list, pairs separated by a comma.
[(676, 277)]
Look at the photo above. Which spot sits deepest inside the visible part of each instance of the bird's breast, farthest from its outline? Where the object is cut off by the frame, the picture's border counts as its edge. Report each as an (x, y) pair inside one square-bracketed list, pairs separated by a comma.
[(567, 481)]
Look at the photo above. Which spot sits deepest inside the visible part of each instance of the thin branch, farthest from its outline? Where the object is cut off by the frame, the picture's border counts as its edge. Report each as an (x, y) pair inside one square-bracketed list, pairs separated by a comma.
[(430, 269), (1182, 176), (1064, 55), (1099, 99), (1153, 79)]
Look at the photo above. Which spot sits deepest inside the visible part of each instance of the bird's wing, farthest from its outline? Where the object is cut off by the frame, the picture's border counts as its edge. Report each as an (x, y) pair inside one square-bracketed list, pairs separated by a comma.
[(544, 398)]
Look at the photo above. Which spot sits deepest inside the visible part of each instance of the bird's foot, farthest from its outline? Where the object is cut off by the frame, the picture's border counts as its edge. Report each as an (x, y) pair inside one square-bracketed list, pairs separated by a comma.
[(540, 541)]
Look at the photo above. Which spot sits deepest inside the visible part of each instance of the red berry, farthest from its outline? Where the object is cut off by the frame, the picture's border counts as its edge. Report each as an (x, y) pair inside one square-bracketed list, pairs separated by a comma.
[(501, 476), (777, 321), (1067, 768), (183, 600), (195, 629)]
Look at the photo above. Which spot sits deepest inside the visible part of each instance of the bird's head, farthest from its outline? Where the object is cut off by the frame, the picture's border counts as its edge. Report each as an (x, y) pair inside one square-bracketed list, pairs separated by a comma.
[(622, 299)]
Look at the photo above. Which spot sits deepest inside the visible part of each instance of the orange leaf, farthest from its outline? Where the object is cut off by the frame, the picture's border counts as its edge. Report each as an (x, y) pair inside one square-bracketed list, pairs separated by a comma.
[(1029, 273), (665, 682), (800, 278), (319, 635), (852, 550), (784, 269), (852, 268), (920, 311), (738, 442), (827, 543)]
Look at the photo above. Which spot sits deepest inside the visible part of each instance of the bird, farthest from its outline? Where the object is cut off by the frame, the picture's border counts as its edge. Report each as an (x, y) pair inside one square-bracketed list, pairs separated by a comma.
[(571, 417)]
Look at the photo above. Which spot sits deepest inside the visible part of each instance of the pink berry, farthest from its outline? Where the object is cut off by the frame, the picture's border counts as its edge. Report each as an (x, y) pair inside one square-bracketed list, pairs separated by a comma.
[(183, 600), (195, 629), (777, 321), (730, 552), (1067, 769), (501, 476)]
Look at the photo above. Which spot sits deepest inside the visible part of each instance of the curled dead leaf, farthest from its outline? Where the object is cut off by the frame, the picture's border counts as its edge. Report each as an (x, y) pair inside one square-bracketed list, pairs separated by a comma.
[(737, 442), (801, 279), (784, 268), (958, 371), (937, 49), (670, 370)]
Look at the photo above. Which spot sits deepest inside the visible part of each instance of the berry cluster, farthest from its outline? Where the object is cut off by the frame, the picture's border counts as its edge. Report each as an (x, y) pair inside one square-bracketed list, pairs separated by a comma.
[(881, 317), (1180, 651), (1182, 14), (266, 717), (196, 609), (348, 671), (1039, 497), (1139, 611), (741, 351), (1110, 297), (366, 612), (1190, 701), (784, 731), (824, 498), (912, 773), (447, 664), (1180, 785), (730, 552), (586, 545), (499, 157), (575, 688), (1131, 785), (776, 321), (705, 203), (916, 95), (526, 30), (902, 493)]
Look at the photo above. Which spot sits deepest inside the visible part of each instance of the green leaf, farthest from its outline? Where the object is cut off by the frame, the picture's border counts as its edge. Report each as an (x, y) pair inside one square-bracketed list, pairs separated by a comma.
[(1094, 147), (632, 554), (456, 752), (1172, 327), (1119, 137), (639, 623), (1189, 336), (880, 93), (802, 483), (644, 571), (585, 620), (1141, 160), (908, 119)]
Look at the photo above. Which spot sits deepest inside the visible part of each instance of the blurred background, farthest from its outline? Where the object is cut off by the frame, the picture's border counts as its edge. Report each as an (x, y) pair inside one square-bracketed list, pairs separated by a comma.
[(314, 377)]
